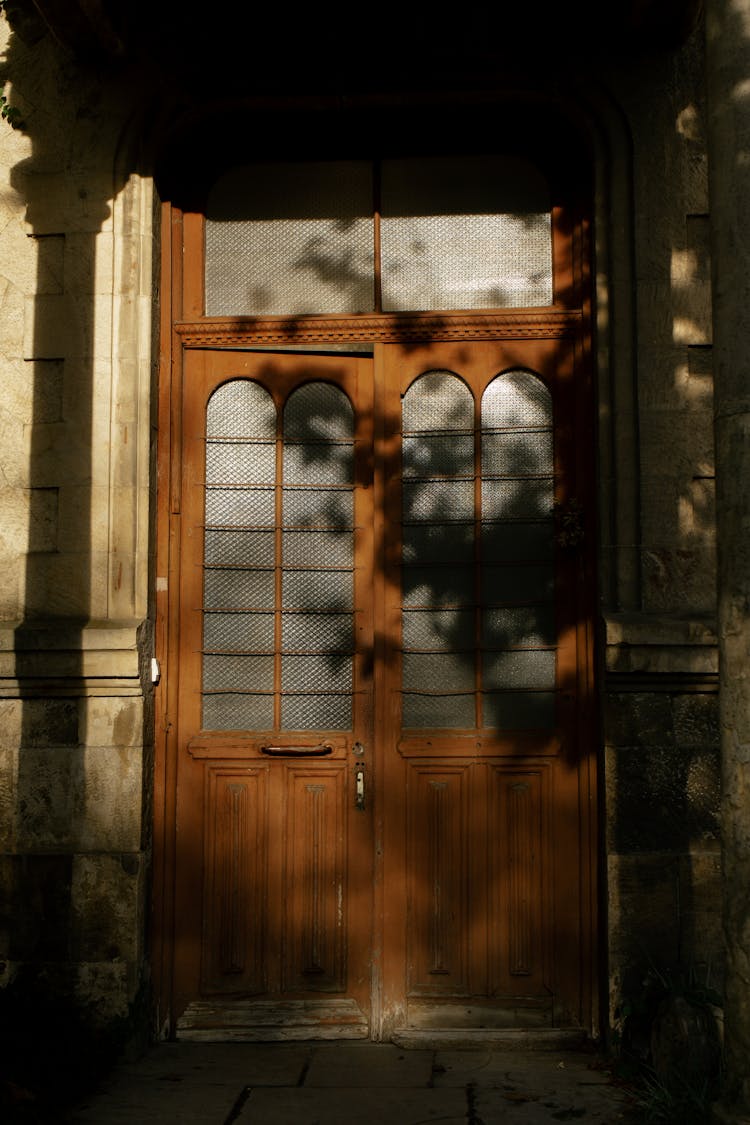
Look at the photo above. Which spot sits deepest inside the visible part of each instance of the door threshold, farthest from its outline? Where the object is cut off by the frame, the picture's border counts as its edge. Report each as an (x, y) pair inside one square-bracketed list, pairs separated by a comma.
[(271, 1021), (509, 1039)]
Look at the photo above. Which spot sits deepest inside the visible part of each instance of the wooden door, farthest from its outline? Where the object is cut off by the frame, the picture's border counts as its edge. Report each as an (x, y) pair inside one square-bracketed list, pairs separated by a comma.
[(273, 836), (487, 749), (385, 779)]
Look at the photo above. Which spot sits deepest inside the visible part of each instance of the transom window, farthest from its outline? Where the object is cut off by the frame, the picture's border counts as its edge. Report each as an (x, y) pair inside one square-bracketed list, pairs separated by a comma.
[(396, 235)]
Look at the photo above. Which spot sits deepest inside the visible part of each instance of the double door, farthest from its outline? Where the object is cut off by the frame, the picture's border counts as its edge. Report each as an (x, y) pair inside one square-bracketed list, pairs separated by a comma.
[(384, 778)]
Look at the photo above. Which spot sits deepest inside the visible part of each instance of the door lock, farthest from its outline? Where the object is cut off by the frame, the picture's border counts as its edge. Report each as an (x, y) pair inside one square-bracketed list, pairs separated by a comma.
[(359, 790)]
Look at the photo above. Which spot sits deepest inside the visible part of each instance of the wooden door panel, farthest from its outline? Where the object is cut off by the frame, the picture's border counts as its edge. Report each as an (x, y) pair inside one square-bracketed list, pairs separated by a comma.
[(234, 906), (313, 833)]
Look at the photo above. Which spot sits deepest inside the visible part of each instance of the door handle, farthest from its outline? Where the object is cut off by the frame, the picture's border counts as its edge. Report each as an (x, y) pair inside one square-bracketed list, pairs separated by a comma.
[(298, 751), (359, 790)]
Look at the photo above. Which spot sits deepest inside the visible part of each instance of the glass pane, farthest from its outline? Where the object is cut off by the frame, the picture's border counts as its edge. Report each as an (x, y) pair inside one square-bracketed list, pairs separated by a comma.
[(306, 673), (235, 548), (438, 671), (238, 589), (438, 629), (317, 548), (322, 463), (529, 669), (317, 632), (241, 409), (240, 463), (317, 589), (238, 672), (438, 455), (314, 507), (446, 542), (518, 453), (465, 232), (438, 400), (519, 710), (518, 626), (517, 542), (240, 506), (318, 412), (516, 400), (316, 712), (238, 632), (433, 586), (517, 499), (432, 711), (438, 500), (237, 712), (290, 238), (517, 584)]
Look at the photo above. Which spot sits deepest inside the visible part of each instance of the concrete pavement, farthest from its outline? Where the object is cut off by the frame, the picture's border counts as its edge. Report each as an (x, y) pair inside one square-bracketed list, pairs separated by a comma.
[(349, 1083)]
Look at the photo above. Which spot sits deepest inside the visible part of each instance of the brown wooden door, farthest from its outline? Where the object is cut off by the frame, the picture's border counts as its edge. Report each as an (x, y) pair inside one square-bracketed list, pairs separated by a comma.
[(274, 844), (486, 750), (385, 603)]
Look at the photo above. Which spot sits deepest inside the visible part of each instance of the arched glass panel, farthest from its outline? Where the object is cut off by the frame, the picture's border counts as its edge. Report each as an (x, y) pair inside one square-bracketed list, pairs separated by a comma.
[(478, 621), (278, 631), (517, 612), (438, 468)]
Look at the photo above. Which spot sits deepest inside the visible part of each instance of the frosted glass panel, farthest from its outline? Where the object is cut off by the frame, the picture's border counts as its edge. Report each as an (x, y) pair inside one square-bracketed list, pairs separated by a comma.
[(290, 238), (464, 233)]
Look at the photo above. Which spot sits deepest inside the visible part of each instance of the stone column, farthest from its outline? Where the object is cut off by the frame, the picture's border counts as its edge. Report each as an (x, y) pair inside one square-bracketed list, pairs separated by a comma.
[(728, 81)]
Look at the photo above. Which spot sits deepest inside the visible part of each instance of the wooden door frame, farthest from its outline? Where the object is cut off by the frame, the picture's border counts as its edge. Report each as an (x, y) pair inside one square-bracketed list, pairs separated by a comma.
[(182, 327)]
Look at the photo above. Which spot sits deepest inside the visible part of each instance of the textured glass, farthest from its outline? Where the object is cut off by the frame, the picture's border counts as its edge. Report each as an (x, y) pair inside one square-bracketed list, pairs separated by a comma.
[(517, 453), (311, 673), (519, 710), (321, 463), (240, 463), (441, 630), (238, 589), (438, 671), (241, 672), (438, 500), (517, 542), (516, 400), (438, 455), (317, 589), (317, 632), (442, 542), (290, 238), (317, 548), (240, 506), (227, 711), (237, 548), (318, 412), (465, 232), (519, 669), (431, 711), (426, 586), (527, 625), (316, 712), (315, 507), (517, 499), (438, 400), (241, 409), (517, 584), (238, 632)]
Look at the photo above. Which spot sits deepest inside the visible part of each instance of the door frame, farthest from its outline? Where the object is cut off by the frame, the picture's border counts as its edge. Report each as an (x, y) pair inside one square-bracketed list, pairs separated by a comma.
[(184, 327)]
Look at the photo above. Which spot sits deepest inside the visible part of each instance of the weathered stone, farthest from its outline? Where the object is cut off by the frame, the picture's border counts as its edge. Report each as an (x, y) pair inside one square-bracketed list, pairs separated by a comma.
[(106, 920)]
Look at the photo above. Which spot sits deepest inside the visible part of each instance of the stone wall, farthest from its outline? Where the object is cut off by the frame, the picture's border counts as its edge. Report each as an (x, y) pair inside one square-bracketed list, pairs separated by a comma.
[(76, 314)]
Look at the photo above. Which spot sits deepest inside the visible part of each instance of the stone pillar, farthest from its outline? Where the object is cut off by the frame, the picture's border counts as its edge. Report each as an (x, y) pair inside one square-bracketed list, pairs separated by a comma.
[(728, 79)]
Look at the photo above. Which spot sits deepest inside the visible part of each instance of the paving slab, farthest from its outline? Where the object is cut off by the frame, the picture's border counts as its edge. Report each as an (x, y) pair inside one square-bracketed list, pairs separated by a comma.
[(369, 1064), (362, 1106)]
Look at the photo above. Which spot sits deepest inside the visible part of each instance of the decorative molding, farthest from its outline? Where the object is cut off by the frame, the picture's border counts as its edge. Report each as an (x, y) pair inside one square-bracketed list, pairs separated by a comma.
[(386, 328)]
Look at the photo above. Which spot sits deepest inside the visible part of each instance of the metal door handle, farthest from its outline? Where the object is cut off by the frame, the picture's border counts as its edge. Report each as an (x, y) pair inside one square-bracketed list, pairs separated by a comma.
[(298, 751), (359, 783)]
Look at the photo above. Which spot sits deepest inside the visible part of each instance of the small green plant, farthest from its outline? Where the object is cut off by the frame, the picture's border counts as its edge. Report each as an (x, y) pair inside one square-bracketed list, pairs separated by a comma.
[(10, 113)]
